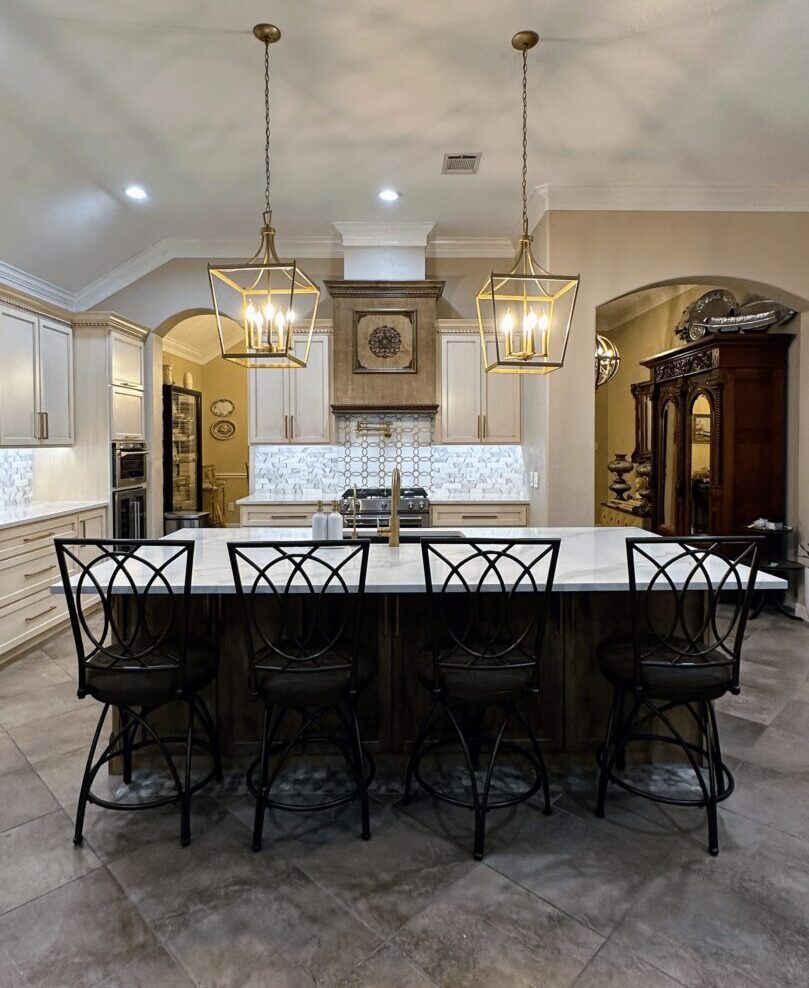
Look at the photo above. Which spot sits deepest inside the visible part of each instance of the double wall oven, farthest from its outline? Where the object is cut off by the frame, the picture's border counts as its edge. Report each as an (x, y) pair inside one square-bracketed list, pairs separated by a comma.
[(129, 479)]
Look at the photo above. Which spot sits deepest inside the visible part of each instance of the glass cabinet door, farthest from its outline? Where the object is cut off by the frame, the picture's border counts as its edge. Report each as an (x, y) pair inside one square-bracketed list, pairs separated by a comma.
[(669, 472), (184, 442), (699, 460)]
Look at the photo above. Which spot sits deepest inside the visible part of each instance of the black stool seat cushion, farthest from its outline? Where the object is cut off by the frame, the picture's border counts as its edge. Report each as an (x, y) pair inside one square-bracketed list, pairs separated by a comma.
[(680, 679), (130, 684), (475, 684), (305, 687)]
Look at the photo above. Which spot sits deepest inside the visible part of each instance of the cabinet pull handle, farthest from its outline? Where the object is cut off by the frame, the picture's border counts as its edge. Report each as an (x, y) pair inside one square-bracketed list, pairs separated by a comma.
[(282, 517), (46, 426), (286, 427), (484, 426), (291, 426), (36, 617), (478, 427), (37, 572), (41, 535), (479, 516)]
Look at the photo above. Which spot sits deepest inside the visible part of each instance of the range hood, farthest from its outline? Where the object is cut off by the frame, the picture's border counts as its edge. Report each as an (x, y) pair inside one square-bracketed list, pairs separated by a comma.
[(384, 346)]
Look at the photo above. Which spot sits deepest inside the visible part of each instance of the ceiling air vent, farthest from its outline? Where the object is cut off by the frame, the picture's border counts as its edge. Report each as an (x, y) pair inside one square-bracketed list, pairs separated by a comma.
[(461, 164)]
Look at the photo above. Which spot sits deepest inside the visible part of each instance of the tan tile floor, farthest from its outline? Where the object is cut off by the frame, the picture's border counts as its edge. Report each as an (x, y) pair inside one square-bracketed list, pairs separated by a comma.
[(632, 900)]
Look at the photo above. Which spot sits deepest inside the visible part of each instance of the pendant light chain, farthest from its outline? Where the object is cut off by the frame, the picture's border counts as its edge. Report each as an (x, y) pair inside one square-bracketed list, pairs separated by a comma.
[(524, 142), (267, 127)]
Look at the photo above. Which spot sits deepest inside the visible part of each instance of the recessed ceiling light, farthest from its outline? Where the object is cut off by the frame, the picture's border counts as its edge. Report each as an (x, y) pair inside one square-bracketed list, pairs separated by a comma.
[(136, 192), (388, 195)]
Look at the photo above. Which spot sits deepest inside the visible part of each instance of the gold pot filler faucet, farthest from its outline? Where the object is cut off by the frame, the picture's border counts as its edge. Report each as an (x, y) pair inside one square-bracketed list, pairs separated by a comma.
[(392, 529)]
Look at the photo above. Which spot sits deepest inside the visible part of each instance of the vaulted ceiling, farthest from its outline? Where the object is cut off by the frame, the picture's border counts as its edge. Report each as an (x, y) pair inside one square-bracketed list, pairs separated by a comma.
[(684, 103)]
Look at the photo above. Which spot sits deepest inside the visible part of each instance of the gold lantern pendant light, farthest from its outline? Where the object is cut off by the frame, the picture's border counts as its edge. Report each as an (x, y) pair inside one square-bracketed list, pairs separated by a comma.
[(524, 316), (273, 302), (608, 360)]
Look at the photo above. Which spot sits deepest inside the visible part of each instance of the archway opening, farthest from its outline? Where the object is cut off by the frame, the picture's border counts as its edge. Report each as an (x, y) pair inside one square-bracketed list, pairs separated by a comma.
[(205, 435)]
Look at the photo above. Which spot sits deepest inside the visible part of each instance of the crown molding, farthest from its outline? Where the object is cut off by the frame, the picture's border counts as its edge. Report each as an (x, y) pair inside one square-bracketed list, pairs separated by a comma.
[(471, 247), (38, 288), (387, 234), (186, 352)]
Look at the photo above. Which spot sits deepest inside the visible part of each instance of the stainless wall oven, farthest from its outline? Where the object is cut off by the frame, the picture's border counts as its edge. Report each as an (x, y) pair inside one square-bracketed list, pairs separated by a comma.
[(129, 465), (129, 513)]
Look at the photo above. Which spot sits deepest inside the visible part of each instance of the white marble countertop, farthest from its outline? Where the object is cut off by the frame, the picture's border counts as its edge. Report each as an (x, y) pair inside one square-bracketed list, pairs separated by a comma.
[(590, 559), (41, 510)]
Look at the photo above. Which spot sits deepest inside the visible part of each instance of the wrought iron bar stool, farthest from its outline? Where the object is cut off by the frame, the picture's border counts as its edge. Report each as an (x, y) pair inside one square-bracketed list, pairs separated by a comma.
[(690, 600), (489, 601), (135, 655), (302, 605)]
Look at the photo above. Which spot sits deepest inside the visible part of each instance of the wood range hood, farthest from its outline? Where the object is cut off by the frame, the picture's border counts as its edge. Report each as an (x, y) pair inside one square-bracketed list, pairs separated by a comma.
[(393, 307)]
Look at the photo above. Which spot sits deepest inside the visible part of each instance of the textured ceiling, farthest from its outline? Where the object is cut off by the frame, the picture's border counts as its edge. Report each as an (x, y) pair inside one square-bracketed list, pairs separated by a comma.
[(636, 94)]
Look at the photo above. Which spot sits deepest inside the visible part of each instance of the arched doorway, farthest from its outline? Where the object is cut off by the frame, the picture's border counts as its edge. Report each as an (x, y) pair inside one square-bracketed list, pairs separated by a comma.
[(191, 358), (641, 323)]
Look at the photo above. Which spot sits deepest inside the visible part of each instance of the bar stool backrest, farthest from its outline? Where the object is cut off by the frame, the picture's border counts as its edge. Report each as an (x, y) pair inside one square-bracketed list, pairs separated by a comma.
[(477, 590), (128, 601), (691, 598), (302, 603)]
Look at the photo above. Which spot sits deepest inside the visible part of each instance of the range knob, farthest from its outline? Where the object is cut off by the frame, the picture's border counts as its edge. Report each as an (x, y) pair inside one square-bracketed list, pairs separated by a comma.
[(383, 504), (409, 505)]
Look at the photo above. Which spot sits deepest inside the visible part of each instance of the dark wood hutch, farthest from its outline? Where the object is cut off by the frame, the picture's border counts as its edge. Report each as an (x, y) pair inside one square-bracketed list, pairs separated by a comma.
[(711, 422)]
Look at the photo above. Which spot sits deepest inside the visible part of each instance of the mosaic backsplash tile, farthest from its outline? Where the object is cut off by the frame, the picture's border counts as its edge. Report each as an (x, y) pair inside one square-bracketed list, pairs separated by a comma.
[(16, 477), (367, 459)]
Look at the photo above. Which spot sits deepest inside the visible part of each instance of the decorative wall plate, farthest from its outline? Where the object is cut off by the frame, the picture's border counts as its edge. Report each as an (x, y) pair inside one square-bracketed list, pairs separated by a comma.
[(223, 429), (385, 341), (222, 407)]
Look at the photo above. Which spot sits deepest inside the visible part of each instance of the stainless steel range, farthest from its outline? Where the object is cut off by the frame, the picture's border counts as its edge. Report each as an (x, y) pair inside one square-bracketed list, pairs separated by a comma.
[(372, 507)]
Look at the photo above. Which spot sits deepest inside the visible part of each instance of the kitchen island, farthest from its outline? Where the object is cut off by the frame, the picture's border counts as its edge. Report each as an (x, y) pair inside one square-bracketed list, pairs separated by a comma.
[(590, 603)]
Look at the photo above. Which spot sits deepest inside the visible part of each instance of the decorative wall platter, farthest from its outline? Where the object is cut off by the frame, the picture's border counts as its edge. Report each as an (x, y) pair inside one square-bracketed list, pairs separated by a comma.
[(224, 429), (222, 407)]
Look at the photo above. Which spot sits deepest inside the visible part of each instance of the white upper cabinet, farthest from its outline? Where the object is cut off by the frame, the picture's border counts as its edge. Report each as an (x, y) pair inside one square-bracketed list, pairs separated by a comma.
[(476, 407), (127, 414), (126, 361), (309, 394), (501, 404), (56, 382), (36, 380), (292, 406), (460, 389)]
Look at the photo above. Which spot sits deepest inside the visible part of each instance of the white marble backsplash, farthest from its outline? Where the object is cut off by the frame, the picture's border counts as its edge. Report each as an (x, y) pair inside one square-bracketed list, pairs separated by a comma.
[(16, 477), (367, 459)]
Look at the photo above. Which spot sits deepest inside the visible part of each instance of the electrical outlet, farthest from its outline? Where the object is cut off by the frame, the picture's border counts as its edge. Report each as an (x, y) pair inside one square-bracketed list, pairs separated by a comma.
[(231, 505)]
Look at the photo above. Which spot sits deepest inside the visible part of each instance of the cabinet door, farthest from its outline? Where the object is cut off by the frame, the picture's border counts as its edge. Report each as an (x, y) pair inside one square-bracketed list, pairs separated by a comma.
[(460, 389), (92, 525), (56, 382), (309, 394), (269, 400), (19, 398), (126, 361), (127, 414), (502, 405)]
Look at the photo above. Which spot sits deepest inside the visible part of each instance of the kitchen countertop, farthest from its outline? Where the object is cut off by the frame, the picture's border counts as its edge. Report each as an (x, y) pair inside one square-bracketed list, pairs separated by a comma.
[(42, 510), (480, 497), (590, 559)]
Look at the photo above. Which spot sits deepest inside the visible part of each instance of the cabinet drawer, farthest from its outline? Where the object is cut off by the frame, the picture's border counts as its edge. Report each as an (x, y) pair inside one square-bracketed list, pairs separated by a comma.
[(479, 515), (278, 515), (26, 574), (26, 539), (30, 616)]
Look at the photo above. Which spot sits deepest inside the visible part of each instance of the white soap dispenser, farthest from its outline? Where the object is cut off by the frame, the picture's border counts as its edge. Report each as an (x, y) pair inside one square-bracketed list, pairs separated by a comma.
[(319, 524), (335, 523)]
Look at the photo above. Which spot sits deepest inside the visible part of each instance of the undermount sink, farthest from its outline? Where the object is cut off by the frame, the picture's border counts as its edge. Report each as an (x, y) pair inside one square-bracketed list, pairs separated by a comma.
[(408, 536)]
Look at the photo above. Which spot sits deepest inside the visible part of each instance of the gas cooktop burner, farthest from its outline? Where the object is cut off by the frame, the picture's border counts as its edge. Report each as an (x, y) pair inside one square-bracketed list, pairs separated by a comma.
[(372, 506), (366, 492)]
